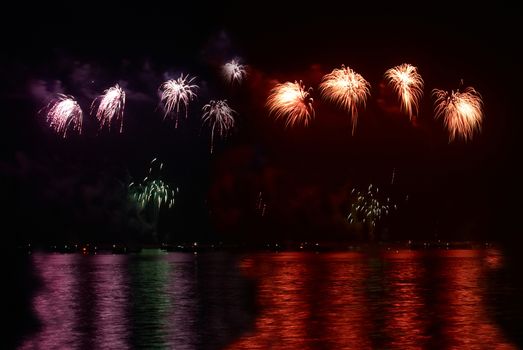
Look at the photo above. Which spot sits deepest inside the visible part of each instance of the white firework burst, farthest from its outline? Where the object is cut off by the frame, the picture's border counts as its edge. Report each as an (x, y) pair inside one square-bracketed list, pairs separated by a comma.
[(234, 72), (111, 107), (220, 118), (64, 113), (175, 93)]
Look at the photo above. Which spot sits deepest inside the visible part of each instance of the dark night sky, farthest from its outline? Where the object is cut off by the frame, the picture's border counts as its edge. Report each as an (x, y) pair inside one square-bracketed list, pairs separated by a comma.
[(456, 190)]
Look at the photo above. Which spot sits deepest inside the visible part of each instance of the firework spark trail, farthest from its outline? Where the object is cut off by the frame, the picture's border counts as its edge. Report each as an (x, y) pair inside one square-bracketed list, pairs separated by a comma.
[(176, 93), (291, 101), (462, 112), (346, 88), (64, 112), (408, 85), (219, 116), (111, 107), (234, 71), (261, 205), (393, 176)]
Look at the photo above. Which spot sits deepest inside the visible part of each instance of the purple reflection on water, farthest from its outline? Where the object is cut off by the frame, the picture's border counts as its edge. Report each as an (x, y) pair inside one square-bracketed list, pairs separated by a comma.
[(111, 295), (83, 302), (55, 305), (181, 319)]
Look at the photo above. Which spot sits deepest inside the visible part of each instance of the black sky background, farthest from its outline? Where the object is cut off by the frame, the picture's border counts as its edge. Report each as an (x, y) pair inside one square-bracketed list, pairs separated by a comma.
[(73, 188)]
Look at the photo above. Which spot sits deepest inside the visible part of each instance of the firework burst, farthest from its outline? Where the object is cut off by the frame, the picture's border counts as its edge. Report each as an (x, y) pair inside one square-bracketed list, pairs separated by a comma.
[(462, 112), (111, 106), (346, 88), (234, 72), (64, 113), (151, 195), (219, 116), (291, 101), (152, 192), (408, 85), (175, 93), (367, 207)]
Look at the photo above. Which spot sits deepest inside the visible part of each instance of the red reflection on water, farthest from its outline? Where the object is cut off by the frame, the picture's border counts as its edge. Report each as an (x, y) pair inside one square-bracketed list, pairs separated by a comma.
[(308, 301), (394, 300), (347, 325), (466, 323), (282, 300), (493, 259), (405, 323)]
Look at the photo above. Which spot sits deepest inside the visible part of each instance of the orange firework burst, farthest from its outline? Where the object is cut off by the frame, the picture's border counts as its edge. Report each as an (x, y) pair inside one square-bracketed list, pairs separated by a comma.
[(346, 88), (408, 85), (462, 112), (292, 101)]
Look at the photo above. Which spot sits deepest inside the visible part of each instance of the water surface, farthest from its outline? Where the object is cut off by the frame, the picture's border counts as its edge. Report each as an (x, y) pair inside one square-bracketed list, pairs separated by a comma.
[(292, 300)]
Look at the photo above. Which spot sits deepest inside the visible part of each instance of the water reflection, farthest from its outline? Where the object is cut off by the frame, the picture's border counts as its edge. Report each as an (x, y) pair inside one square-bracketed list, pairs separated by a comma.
[(392, 300), (56, 305), (181, 289), (387, 300), (149, 302), (110, 290), (284, 306), (225, 301), (466, 321), (152, 300), (406, 323)]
